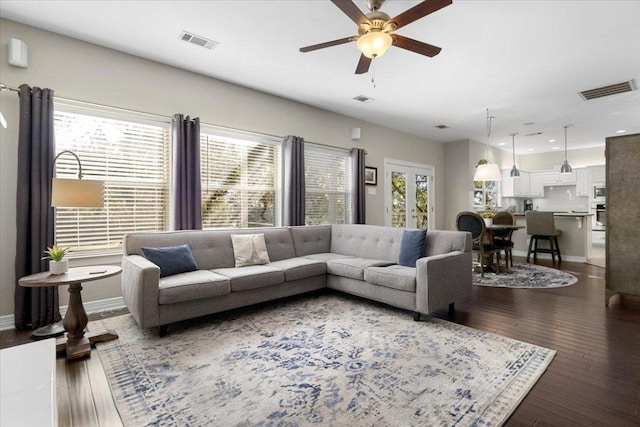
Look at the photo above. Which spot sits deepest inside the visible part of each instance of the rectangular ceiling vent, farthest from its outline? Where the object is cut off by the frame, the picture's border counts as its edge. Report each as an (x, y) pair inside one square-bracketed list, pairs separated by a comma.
[(442, 127), (613, 89), (198, 40), (363, 98)]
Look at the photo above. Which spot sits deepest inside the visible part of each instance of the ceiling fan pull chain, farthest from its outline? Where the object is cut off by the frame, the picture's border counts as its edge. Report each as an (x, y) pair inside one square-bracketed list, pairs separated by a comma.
[(373, 72)]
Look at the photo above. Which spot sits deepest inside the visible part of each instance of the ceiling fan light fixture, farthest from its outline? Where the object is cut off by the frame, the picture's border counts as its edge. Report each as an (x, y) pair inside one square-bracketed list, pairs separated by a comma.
[(374, 43)]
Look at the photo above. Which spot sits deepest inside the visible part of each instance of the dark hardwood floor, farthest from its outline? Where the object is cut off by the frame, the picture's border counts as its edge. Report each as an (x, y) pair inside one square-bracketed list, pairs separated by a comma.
[(594, 379)]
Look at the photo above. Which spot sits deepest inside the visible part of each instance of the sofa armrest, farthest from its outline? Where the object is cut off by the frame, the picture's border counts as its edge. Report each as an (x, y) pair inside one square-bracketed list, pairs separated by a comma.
[(140, 279), (442, 279)]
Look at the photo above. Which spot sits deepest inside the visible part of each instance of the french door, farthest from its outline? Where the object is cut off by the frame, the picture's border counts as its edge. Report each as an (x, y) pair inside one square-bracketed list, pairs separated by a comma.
[(409, 195)]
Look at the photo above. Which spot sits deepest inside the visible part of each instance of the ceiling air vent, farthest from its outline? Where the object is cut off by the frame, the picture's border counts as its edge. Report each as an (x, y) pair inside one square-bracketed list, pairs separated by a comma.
[(613, 89), (363, 98), (442, 127), (198, 40)]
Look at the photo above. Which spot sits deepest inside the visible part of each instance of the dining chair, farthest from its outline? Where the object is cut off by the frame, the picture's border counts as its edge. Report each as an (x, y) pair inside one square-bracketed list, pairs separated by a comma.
[(542, 226), (474, 223), (502, 238)]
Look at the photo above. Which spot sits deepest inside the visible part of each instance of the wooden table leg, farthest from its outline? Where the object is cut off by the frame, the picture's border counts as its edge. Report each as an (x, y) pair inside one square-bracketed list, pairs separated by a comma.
[(76, 343)]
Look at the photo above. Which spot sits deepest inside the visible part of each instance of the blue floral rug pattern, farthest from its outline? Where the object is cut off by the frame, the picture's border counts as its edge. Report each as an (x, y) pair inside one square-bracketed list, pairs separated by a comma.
[(328, 360), (526, 276)]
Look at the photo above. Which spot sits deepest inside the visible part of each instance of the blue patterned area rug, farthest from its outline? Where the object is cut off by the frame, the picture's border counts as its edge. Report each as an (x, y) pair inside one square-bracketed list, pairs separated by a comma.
[(328, 360), (526, 276)]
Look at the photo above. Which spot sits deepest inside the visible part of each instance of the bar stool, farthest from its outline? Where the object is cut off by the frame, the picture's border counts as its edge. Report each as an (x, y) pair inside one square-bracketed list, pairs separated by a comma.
[(542, 226)]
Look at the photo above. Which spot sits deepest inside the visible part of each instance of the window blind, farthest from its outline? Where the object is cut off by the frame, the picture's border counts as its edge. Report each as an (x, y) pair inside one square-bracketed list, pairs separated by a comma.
[(132, 159), (239, 182), (328, 185)]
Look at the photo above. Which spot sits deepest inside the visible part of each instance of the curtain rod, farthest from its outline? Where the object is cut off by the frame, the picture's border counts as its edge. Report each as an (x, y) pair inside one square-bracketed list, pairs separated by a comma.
[(160, 117), (4, 87)]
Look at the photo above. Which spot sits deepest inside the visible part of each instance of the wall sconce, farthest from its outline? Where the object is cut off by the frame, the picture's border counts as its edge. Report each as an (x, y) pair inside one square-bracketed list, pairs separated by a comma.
[(76, 193)]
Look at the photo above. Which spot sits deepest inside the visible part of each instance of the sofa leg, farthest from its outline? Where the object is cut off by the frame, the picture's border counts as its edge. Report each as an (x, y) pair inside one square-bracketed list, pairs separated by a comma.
[(452, 310), (162, 330), (416, 316)]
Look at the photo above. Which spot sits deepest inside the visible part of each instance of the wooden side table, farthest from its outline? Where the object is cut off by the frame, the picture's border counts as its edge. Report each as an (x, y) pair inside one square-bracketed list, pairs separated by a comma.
[(76, 343)]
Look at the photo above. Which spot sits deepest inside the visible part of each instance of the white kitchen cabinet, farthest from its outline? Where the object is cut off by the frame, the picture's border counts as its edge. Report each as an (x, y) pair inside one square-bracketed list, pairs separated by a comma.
[(550, 178), (514, 187), (582, 182), (536, 187), (596, 174)]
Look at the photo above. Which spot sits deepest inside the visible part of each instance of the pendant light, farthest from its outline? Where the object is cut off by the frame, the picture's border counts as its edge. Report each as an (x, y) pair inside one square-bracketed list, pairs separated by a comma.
[(488, 171), (566, 168), (515, 173)]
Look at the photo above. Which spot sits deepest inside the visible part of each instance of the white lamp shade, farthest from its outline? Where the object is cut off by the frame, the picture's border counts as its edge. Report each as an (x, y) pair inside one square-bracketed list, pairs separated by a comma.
[(374, 44), (77, 193), (488, 172)]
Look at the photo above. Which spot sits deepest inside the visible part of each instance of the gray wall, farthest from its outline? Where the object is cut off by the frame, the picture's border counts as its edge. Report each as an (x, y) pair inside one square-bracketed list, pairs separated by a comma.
[(86, 72)]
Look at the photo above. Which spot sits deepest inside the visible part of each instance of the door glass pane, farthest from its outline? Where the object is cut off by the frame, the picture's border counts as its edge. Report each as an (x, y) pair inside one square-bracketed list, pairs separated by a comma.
[(398, 199), (422, 201)]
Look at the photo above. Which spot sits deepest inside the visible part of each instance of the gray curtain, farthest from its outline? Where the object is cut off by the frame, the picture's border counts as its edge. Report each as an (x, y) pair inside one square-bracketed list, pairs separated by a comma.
[(294, 187), (186, 173), (34, 307), (358, 201)]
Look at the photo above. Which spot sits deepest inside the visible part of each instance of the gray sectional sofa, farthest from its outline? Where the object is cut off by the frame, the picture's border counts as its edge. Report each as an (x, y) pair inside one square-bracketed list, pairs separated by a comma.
[(356, 259)]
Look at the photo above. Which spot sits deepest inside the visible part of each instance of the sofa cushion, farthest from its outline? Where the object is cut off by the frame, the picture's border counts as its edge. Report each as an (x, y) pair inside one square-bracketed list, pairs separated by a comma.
[(394, 276), (252, 277), (300, 268), (366, 241), (249, 249), (353, 267), (327, 256), (411, 247), (171, 259), (309, 240), (191, 286)]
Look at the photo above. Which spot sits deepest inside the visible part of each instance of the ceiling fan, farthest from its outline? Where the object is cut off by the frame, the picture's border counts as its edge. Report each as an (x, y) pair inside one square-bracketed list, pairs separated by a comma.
[(375, 30)]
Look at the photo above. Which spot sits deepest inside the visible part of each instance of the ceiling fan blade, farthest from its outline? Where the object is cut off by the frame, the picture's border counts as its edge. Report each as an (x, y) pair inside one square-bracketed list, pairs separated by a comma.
[(419, 11), (363, 65), (415, 45), (351, 10), (326, 44)]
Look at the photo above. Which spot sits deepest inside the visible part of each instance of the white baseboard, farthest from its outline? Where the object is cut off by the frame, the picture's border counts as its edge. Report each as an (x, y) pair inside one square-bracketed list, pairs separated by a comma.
[(548, 256), (7, 322)]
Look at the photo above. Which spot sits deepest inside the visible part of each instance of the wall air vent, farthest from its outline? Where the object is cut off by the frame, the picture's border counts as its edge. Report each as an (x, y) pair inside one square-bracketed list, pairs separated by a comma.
[(442, 127), (198, 40), (613, 89), (363, 98)]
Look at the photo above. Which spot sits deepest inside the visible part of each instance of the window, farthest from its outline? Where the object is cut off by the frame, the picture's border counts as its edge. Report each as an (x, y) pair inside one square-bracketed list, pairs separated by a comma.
[(328, 185), (240, 181), (132, 159), (485, 193)]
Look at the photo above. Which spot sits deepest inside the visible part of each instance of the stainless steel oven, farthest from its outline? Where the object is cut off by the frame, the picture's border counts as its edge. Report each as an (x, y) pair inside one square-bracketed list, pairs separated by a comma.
[(601, 214)]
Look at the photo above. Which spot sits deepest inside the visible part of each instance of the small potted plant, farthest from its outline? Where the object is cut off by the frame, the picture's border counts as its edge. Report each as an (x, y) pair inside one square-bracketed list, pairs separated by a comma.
[(488, 217), (57, 263)]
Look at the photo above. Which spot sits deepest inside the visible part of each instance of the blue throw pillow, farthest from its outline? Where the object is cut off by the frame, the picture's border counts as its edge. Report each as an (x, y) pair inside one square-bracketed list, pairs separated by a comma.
[(171, 259), (411, 247)]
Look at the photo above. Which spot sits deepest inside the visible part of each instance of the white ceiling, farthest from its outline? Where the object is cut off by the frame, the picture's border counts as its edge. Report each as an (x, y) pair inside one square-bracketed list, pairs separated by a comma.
[(524, 60)]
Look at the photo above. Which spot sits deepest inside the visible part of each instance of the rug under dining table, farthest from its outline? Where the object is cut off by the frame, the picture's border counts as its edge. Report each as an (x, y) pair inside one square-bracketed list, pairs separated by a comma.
[(328, 359)]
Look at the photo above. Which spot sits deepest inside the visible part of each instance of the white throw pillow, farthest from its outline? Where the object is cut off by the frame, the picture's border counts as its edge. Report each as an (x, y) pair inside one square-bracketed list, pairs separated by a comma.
[(249, 249)]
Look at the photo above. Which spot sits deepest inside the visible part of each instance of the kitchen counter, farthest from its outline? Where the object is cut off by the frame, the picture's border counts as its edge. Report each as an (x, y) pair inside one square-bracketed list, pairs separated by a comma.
[(575, 240), (569, 214)]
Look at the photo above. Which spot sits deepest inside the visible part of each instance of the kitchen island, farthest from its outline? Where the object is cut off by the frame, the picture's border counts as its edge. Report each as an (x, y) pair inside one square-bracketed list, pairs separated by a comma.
[(574, 242)]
